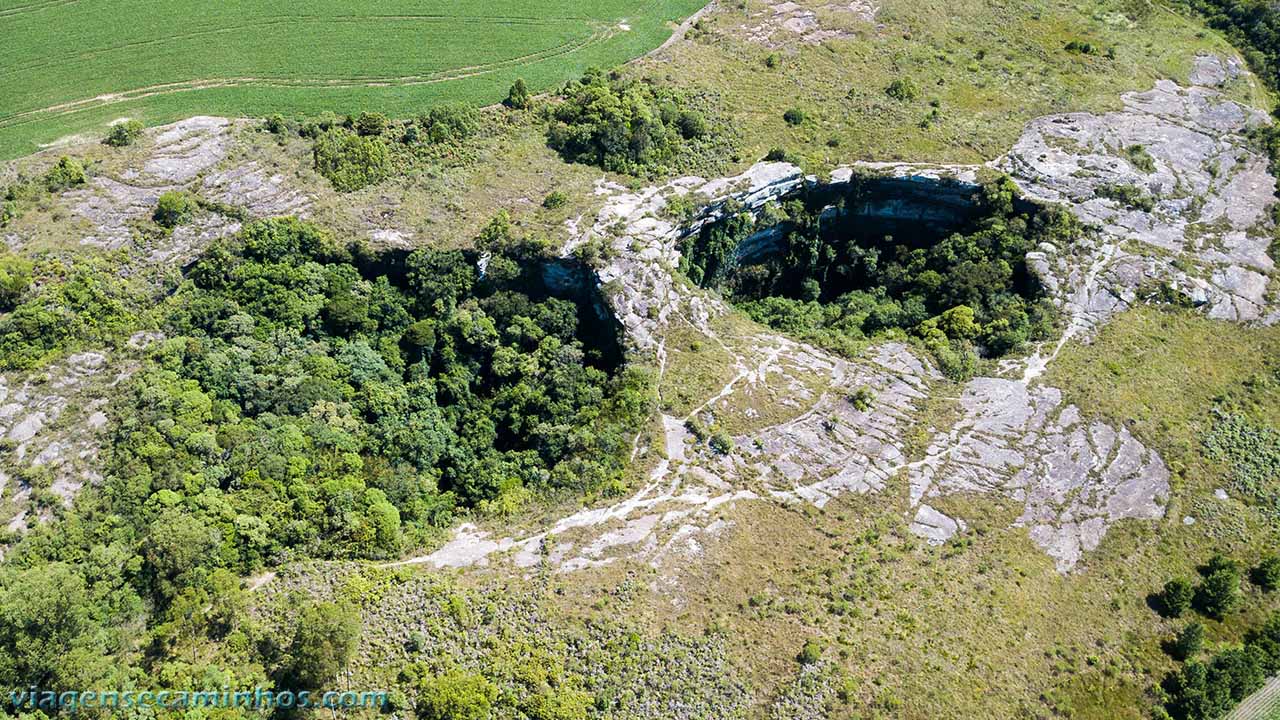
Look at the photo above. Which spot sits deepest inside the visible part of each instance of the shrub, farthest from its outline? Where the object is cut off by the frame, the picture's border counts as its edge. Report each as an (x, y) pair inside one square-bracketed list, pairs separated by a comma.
[(1081, 47), (555, 200), (1266, 574), (1176, 597), (1251, 451), (450, 123), (810, 653), (174, 208), (124, 134), (518, 98), (8, 212), (317, 126), (696, 429), (692, 124), (1141, 158), (456, 695), (903, 90), (276, 124), (863, 398), (773, 60), (1128, 195), (66, 173), (721, 442), (794, 117), (371, 124), (349, 161)]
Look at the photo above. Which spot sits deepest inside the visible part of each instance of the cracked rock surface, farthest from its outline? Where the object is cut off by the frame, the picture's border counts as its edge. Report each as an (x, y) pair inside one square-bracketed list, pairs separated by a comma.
[(1073, 478), (1207, 192)]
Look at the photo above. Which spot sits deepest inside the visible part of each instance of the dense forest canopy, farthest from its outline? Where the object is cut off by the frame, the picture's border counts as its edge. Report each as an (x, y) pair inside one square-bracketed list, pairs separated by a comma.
[(327, 395), (310, 399)]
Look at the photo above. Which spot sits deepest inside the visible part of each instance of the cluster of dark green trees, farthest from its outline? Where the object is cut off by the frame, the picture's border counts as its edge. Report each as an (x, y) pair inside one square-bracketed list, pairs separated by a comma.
[(51, 306), (816, 270), (626, 126), (356, 151), (311, 400), (1208, 689), (320, 399)]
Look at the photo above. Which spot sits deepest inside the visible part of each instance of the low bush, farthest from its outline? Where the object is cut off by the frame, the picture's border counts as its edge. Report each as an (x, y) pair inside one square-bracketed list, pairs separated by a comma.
[(351, 161), (555, 200), (903, 90), (174, 208), (124, 133)]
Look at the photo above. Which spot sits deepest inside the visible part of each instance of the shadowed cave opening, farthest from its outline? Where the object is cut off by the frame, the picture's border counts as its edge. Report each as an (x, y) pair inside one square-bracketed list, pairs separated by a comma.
[(942, 259)]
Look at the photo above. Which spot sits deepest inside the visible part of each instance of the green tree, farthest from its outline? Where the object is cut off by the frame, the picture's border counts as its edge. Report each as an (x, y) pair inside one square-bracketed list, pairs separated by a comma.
[(276, 124), (1188, 642), (323, 644), (68, 172), (371, 124), (1267, 640), (124, 133), (15, 280), (1266, 575), (1219, 592), (721, 442), (450, 123), (1176, 597), (177, 545), (456, 695), (518, 98), (351, 161), (810, 653), (45, 614)]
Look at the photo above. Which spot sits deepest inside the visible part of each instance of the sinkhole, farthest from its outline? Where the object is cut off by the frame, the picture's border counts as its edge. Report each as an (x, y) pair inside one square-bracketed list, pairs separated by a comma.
[(941, 259)]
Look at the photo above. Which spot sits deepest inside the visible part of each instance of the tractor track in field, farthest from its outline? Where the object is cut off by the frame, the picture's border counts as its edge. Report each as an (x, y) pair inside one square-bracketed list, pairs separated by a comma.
[(453, 74), (29, 8)]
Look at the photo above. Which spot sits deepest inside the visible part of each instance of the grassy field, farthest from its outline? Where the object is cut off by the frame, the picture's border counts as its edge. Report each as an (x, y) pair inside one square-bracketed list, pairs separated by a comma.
[(72, 66), (981, 70)]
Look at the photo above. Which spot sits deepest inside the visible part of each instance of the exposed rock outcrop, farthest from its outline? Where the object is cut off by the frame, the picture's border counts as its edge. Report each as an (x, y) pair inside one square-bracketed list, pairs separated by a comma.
[(190, 155), (1172, 186), (1179, 193), (1074, 478)]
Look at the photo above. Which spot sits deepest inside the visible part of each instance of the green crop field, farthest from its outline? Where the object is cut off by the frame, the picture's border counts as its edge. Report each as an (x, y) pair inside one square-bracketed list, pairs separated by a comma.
[(72, 66)]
